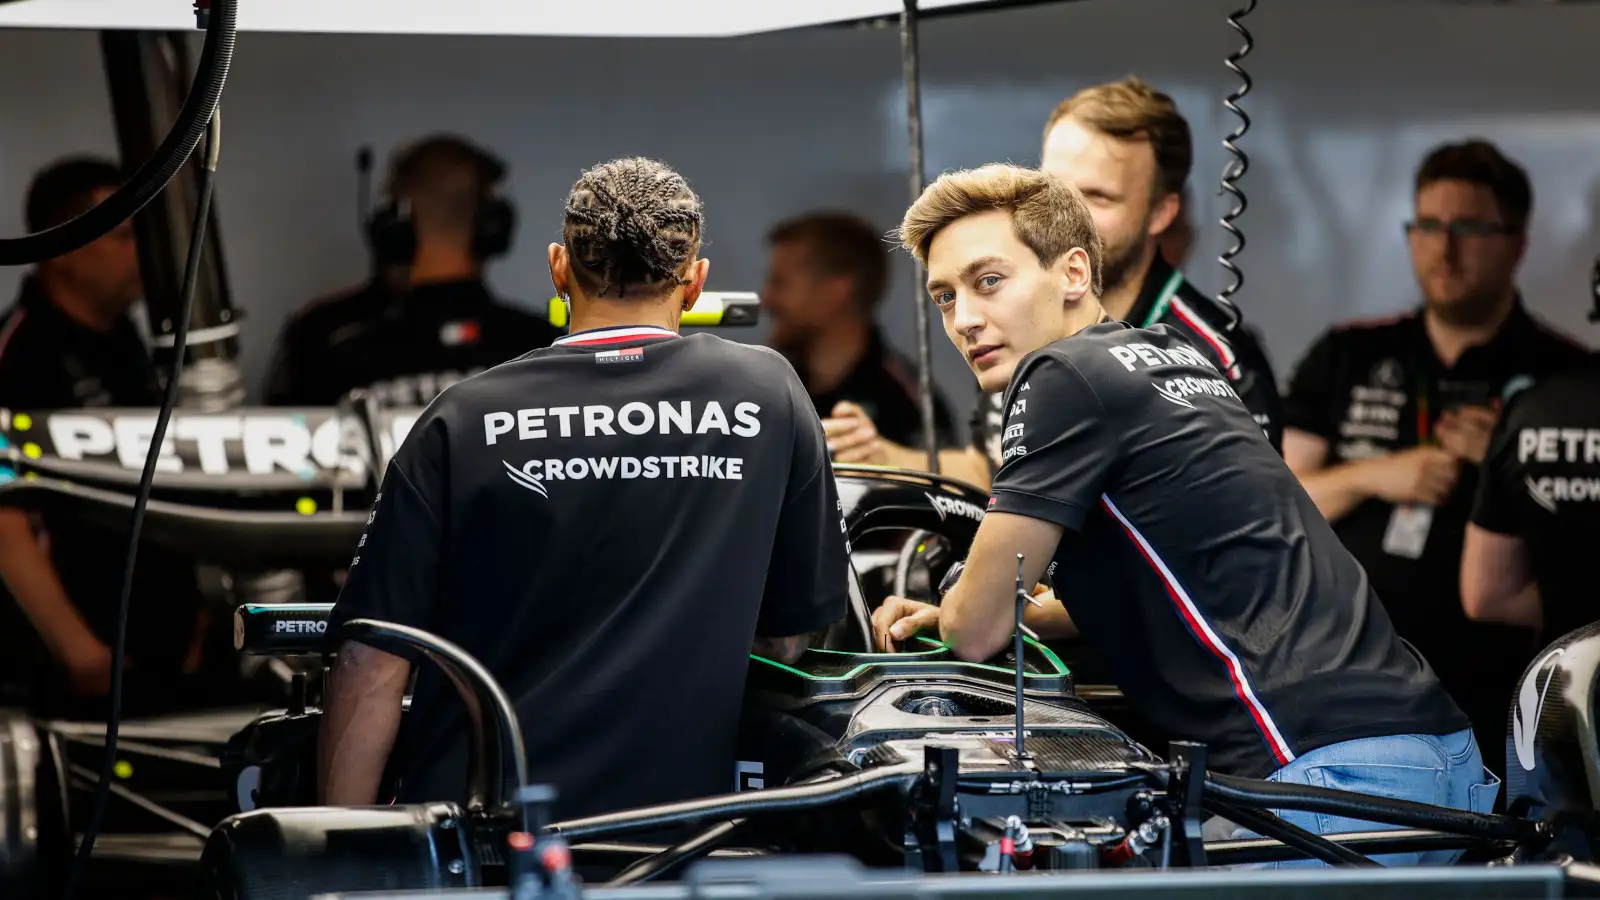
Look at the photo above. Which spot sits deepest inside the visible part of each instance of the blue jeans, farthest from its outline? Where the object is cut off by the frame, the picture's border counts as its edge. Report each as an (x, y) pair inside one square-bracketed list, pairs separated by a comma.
[(1442, 770)]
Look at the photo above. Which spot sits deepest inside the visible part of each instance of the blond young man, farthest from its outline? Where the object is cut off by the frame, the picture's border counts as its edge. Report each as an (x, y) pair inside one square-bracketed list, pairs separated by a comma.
[(1128, 150), (1181, 545)]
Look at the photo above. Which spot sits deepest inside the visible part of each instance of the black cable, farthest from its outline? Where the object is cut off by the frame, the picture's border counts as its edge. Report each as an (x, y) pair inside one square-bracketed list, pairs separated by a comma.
[(1594, 291), (1266, 823), (1235, 169), (191, 276), (152, 177), (1276, 795)]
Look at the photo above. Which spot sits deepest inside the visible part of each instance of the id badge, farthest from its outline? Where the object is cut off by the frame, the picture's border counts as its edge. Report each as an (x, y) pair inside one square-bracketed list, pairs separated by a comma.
[(1408, 531)]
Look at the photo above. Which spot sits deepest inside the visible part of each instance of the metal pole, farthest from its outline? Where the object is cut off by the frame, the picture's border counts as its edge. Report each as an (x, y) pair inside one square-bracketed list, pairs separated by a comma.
[(148, 75), (909, 65)]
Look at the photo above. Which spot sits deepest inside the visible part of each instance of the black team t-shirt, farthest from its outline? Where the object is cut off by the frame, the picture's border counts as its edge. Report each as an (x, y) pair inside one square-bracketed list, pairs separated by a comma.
[(402, 348), (1541, 483), (49, 361), (606, 524), (1193, 561)]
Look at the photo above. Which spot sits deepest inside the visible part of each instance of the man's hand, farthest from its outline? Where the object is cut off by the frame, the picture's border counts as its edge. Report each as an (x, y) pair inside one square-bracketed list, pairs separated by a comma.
[(853, 438), (1464, 432), (88, 664), (1424, 475), (899, 619)]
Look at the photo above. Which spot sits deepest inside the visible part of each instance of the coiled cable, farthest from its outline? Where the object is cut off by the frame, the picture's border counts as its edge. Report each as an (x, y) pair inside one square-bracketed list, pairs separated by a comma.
[(220, 18), (1236, 168)]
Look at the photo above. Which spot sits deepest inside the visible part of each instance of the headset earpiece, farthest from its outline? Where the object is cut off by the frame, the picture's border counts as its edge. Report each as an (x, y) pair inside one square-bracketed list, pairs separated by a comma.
[(391, 234), (494, 229)]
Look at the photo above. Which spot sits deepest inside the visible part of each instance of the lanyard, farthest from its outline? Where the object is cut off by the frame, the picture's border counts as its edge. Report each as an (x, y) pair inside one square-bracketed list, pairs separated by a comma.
[(1424, 421), (1164, 299)]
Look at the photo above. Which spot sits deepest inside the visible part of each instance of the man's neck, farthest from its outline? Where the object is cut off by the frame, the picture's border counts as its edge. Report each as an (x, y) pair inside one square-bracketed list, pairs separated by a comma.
[(835, 353), (589, 314), (75, 305), (434, 264), (1088, 314), (1450, 339), (1118, 299)]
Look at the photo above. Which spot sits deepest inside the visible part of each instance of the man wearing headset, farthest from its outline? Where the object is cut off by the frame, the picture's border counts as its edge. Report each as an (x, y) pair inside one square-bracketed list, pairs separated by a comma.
[(406, 342)]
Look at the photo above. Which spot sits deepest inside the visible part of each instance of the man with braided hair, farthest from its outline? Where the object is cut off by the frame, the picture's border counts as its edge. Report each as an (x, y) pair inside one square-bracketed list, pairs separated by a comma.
[(608, 524)]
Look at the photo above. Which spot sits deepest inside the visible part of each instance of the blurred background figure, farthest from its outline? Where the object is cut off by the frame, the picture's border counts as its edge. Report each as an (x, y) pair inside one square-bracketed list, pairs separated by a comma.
[(826, 274), (1175, 243), (405, 339), (68, 343), (1389, 421)]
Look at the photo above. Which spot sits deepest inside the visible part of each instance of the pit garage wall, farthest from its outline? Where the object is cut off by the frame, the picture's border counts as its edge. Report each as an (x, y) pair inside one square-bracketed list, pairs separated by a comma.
[(1348, 96)]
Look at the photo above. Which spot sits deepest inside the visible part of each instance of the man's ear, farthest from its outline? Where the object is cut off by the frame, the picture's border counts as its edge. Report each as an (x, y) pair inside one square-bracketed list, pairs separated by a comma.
[(1075, 275), (1164, 213), (697, 282), (560, 270)]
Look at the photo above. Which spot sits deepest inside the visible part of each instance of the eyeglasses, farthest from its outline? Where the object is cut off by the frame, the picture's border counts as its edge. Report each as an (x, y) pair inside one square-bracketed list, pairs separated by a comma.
[(1458, 228)]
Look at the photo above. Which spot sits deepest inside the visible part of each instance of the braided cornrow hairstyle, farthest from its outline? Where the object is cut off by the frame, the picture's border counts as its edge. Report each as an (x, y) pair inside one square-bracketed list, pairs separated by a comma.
[(631, 222)]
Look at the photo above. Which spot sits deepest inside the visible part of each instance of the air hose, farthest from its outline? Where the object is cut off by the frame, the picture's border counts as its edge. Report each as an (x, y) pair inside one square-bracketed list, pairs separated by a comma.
[(1276, 795), (1235, 169), (193, 119)]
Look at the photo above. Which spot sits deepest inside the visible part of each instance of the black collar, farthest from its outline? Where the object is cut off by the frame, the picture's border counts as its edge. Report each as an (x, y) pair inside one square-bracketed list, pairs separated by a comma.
[(1161, 283), (1520, 340), (36, 302)]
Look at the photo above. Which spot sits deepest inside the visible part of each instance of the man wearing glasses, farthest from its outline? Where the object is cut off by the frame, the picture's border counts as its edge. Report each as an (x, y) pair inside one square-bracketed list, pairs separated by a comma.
[(1387, 423)]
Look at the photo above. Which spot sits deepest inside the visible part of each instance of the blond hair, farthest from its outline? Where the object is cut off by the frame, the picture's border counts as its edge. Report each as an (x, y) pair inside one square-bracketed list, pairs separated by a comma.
[(1048, 215), (1131, 110)]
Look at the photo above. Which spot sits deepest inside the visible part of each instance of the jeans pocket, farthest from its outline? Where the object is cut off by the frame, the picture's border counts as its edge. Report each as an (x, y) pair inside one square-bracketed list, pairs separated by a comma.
[(1421, 784), (1480, 797)]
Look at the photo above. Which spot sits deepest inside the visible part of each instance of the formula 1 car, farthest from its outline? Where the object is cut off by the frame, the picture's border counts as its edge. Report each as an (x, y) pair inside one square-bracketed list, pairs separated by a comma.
[(913, 760)]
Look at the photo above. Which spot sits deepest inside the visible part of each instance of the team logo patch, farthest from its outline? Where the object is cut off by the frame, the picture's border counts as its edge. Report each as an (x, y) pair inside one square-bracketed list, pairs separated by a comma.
[(526, 478), (1387, 374), (456, 334), (629, 354), (1515, 385)]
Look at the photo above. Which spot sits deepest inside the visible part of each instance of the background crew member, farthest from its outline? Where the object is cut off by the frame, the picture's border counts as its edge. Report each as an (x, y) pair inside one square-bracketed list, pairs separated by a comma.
[(826, 275), (1175, 243), (69, 343), (443, 222), (607, 524), (1529, 553), (1387, 422), (1127, 148), (1218, 595)]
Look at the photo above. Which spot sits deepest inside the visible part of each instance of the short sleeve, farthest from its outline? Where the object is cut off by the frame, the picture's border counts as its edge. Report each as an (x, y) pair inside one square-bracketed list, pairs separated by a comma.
[(395, 575), (806, 579), (1307, 402), (1495, 505), (1059, 444)]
